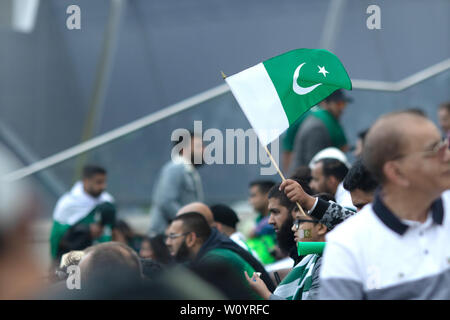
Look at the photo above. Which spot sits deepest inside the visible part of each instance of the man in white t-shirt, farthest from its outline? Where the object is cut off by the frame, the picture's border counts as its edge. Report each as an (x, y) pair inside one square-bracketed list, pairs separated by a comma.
[(396, 247)]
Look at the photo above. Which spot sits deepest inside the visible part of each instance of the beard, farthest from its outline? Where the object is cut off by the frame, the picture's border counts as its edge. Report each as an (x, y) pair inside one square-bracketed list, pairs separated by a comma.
[(285, 236), (95, 194), (182, 254)]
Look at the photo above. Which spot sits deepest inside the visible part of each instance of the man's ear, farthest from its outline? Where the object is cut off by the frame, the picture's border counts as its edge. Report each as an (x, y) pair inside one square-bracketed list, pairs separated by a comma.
[(191, 239), (393, 173), (322, 229), (342, 104), (218, 226), (332, 182)]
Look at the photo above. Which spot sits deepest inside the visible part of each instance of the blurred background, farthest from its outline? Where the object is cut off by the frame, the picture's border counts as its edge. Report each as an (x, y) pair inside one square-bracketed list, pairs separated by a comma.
[(131, 58)]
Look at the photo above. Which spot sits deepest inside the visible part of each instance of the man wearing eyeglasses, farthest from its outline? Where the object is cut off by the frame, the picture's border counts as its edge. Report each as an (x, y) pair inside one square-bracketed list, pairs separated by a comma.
[(192, 241), (396, 247), (302, 282), (444, 118)]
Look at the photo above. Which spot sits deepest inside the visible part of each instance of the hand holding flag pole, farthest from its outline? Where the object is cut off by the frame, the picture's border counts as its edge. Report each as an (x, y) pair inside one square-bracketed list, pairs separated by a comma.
[(282, 176)]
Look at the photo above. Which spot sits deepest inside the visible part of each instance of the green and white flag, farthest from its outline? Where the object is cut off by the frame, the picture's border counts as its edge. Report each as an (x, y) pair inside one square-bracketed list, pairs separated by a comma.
[(275, 93), (297, 283)]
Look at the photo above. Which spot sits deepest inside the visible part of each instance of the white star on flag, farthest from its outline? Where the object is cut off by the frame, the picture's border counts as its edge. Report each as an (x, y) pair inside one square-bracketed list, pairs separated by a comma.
[(323, 71)]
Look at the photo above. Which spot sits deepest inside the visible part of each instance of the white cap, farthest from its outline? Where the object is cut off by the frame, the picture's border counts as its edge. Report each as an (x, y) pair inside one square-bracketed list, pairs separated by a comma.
[(331, 152)]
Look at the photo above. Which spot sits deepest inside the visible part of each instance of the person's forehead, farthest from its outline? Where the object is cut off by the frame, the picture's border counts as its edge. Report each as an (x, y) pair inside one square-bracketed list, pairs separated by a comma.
[(317, 169), (318, 166), (444, 112), (274, 203), (255, 189), (98, 177), (175, 226), (423, 135)]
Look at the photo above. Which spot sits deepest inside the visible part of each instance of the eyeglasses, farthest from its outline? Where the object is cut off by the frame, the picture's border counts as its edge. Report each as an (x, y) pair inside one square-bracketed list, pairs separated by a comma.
[(438, 150), (174, 236), (298, 222)]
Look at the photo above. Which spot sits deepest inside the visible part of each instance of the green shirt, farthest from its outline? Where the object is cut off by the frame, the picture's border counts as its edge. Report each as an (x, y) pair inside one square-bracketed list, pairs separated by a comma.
[(59, 229), (291, 132), (239, 265), (335, 129)]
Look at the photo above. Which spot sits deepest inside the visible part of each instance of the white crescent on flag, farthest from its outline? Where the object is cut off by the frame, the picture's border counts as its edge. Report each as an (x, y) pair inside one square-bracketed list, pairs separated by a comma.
[(300, 90)]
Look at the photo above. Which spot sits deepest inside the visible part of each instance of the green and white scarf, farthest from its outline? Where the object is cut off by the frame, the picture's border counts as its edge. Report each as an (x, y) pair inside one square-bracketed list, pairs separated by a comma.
[(74, 207), (296, 285)]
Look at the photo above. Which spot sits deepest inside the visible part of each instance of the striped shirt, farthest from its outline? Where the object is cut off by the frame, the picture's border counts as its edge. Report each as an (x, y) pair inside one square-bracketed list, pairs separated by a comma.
[(375, 255), (297, 284)]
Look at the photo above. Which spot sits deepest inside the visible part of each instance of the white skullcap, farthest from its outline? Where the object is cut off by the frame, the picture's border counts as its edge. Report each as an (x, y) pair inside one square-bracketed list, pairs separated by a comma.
[(331, 152)]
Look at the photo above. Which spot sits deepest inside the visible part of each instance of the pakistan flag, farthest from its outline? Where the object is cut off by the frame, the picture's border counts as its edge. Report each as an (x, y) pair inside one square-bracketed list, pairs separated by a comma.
[(275, 93)]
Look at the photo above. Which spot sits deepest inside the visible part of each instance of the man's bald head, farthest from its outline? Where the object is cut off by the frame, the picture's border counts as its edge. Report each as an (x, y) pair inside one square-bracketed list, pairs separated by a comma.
[(201, 208), (389, 138), (109, 260)]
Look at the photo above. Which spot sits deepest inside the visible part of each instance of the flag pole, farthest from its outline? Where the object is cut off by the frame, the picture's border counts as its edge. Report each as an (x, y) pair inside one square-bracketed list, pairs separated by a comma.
[(223, 75), (272, 159), (281, 175)]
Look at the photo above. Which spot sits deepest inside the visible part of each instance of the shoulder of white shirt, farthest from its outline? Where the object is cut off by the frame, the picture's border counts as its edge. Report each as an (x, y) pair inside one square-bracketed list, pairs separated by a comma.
[(358, 224)]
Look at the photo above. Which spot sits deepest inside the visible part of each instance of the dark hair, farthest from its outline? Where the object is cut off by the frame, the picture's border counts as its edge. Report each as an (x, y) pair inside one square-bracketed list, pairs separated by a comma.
[(263, 185), (333, 167), (195, 222), (362, 134), (225, 215), (358, 177), (125, 229), (302, 173), (281, 196), (162, 254), (91, 170), (150, 268), (108, 214)]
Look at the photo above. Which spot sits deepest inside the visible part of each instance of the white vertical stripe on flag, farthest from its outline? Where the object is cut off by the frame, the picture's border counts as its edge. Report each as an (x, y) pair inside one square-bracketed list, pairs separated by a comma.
[(258, 98)]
